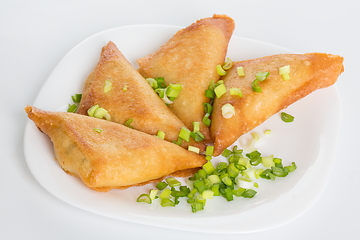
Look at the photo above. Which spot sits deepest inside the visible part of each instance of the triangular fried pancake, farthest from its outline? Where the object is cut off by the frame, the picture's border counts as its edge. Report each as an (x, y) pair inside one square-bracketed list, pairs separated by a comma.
[(107, 155), (190, 58), (308, 72), (129, 97)]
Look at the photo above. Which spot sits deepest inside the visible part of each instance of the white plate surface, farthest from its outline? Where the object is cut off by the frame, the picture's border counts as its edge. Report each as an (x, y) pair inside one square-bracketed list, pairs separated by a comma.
[(310, 141)]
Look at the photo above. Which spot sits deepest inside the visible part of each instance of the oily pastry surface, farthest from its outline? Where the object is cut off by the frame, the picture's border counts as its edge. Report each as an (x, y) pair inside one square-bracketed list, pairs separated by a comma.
[(190, 58), (107, 155), (308, 73), (129, 97)]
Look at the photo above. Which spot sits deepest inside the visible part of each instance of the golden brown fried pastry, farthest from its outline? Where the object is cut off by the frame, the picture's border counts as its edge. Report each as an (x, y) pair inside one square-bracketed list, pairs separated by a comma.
[(308, 72), (118, 88), (190, 58), (107, 155)]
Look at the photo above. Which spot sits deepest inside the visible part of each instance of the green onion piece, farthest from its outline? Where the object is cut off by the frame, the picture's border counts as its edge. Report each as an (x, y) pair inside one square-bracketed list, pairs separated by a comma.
[(199, 185), (221, 166), (255, 86), (202, 173), (227, 110), (216, 189), (209, 151), (206, 120), (152, 82), (91, 111), (99, 130), (236, 92), (233, 171), (160, 134), (268, 162), (220, 70), (173, 182), (249, 193), (196, 126), (285, 72), (165, 193), (161, 185), (208, 108), (161, 82), (128, 122), (238, 192), (166, 202), (292, 167), (208, 167), (220, 90), (226, 153), (255, 157), (173, 90), (227, 64), (100, 113), (76, 98), (197, 136), (178, 142), (214, 179), (107, 86), (261, 76), (194, 149), (178, 194), (197, 206), (240, 71), (227, 194), (192, 193), (267, 132), (207, 194), (209, 93), (153, 193), (286, 117), (279, 172), (286, 76), (161, 92), (185, 134), (226, 179), (144, 198), (72, 108), (267, 174)]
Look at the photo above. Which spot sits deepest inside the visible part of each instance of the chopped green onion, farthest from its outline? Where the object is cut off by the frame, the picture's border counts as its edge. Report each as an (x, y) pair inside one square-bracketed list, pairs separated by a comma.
[(173, 90), (152, 82), (207, 194), (194, 149), (255, 136), (220, 70), (197, 206), (238, 192), (208, 167), (240, 71), (209, 93), (255, 86), (144, 198), (292, 167), (91, 111), (236, 92), (196, 126), (206, 120), (261, 76), (128, 122), (161, 185), (173, 182), (76, 98), (227, 110), (249, 193), (72, 108), (285, 72), (208, 108), (99, 130), (165, 193), (267, 132), (209, 151), (166, 202), (268, 162), (255, 157), (214, 179), (185, 134), (199, 185), (220, 90), (100, 113), (227, 64), (286, 117), (153, 193), (227, 194), (160, 134), (125, 88), (107, 86)]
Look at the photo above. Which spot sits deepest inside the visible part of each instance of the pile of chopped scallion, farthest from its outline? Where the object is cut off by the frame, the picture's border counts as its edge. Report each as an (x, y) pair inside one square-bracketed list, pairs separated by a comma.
[(234, 178)]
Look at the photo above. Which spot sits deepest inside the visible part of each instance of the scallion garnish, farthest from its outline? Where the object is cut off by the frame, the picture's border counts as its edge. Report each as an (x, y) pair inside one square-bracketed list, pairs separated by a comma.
[(144, 198), (76, 100), (107, 86), (236, 92), (220, 70), (185, 134), (285, 72), (227, 64), (128, 122), (227, 110), (72, 108), (193, 149), (220, 90), (259, 77), (287, 117), (99, 130), (240, 71), (98, 112), (160, 134)]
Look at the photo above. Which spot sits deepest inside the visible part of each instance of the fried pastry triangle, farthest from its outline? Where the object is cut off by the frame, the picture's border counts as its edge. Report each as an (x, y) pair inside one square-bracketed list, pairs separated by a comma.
[(129, 96), (107, 155), (190, 58), (308, 72)]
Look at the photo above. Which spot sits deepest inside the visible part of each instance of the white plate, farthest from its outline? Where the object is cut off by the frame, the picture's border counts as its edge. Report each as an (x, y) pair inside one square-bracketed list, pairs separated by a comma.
[(310, 141)]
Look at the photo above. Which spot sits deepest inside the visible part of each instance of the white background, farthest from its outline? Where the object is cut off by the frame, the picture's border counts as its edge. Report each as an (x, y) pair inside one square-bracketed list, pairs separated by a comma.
[(35, 36)]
